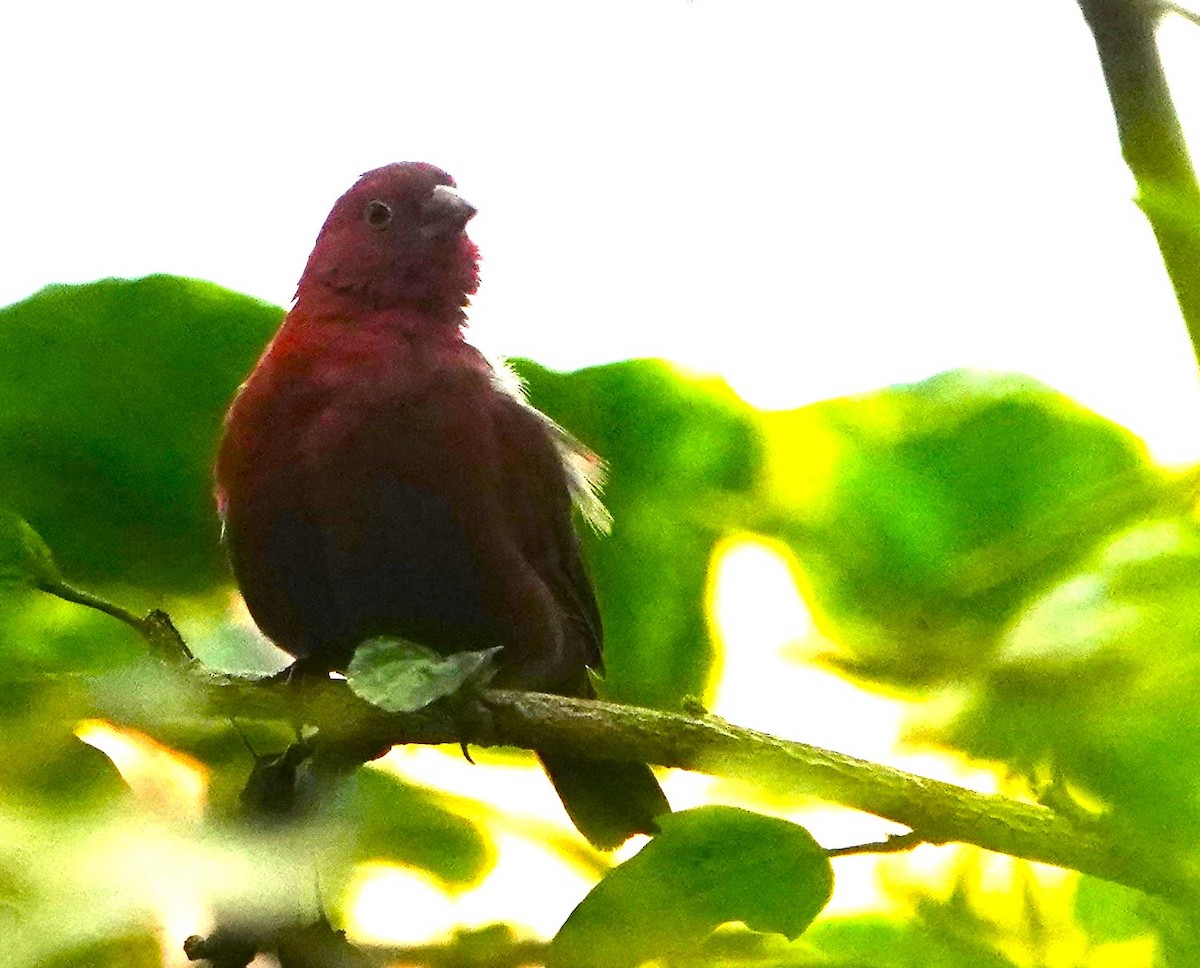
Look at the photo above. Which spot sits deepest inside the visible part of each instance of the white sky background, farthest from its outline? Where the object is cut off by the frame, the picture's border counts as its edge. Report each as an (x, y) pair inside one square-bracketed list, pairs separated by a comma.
[(809, 198)]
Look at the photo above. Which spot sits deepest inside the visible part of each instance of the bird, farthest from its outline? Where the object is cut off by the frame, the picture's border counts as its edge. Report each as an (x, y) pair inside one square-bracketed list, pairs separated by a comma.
[(379, 476)]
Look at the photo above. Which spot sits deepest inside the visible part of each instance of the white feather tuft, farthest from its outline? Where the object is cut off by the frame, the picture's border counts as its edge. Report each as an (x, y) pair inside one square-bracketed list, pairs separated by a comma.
[(586, 470)]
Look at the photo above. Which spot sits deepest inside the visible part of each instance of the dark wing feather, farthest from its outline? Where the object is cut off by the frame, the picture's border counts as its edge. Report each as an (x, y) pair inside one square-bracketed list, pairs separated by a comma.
[(540, 496)]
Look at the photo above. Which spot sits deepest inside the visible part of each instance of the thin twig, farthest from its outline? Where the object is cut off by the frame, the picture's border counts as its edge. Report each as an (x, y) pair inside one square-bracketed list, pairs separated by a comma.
[(69, 593), (155, 626), (1182, 11), (895, 844)]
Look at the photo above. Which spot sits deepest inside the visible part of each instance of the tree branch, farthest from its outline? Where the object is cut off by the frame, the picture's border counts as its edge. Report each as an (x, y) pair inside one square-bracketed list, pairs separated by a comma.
[(935, 811), (1152, 140), (353, 731)]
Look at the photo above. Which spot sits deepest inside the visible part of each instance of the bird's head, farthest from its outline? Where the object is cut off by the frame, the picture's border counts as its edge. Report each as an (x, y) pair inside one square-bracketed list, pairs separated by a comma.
[(396, 239)]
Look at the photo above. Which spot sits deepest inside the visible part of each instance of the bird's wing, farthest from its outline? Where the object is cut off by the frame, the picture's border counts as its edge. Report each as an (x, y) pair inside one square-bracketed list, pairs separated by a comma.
[(586, 470), (543, 480)]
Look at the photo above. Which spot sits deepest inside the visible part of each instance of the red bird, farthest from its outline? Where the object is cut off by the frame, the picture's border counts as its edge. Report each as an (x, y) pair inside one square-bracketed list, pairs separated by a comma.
[(379, 477)]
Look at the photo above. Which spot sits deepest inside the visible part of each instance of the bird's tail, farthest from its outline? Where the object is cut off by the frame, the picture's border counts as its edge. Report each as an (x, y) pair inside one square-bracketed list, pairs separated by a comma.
[(608, 801)]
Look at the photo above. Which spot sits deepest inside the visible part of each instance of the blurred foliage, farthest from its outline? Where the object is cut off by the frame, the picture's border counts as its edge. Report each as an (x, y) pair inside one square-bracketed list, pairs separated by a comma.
[(136, 951), (1096, 682), (883, 943), (946, 505), (111, 401), (975, 537), (395, 822), (684, 458)]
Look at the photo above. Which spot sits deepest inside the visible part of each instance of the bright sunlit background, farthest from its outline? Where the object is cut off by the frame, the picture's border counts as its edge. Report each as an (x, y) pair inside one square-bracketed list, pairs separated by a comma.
[(810, 199)]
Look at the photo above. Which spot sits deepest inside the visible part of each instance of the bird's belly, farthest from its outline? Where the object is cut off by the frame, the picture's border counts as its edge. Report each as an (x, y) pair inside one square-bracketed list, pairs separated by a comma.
[(329, 563)]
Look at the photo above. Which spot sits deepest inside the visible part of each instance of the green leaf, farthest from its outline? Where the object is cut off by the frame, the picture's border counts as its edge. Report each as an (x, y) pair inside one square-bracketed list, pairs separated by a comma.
[(24, 557), (72, 773), (925, 516), (707, 867), (401, 676), (111, 401), (42, 764)]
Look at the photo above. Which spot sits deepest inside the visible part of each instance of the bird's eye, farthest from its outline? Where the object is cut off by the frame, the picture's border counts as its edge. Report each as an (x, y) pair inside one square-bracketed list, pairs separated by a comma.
[(378, 214)]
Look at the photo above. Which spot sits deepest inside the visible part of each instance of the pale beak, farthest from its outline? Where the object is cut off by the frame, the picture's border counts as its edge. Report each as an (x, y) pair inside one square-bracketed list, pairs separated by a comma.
[(444, 213)]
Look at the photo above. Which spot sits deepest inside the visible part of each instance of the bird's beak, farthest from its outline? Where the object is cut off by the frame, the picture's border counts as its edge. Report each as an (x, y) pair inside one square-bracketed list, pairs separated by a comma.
[(444, 213)]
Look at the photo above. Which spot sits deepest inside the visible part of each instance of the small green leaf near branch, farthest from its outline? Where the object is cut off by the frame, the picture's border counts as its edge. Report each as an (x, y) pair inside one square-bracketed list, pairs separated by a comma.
[(24, 557), (400, 676)]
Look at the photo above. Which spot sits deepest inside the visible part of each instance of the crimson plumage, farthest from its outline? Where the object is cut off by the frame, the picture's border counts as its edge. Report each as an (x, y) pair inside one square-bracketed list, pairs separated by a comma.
[(379, 476)]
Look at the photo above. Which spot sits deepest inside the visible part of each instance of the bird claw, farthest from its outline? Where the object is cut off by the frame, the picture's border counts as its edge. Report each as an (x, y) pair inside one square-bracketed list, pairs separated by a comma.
[(470, 717)]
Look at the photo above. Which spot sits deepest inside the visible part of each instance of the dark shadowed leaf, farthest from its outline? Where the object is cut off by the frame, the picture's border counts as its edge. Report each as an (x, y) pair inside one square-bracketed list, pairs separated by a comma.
[(71, 773), (707, 867), (402, 677), (368, 815)]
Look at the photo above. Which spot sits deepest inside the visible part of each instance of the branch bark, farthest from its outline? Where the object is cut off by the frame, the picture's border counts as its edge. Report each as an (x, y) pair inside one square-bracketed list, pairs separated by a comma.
[(937, 812)]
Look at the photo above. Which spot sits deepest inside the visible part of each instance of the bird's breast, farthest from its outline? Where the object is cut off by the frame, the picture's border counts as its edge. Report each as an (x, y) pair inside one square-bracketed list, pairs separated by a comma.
[(353, 496)]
